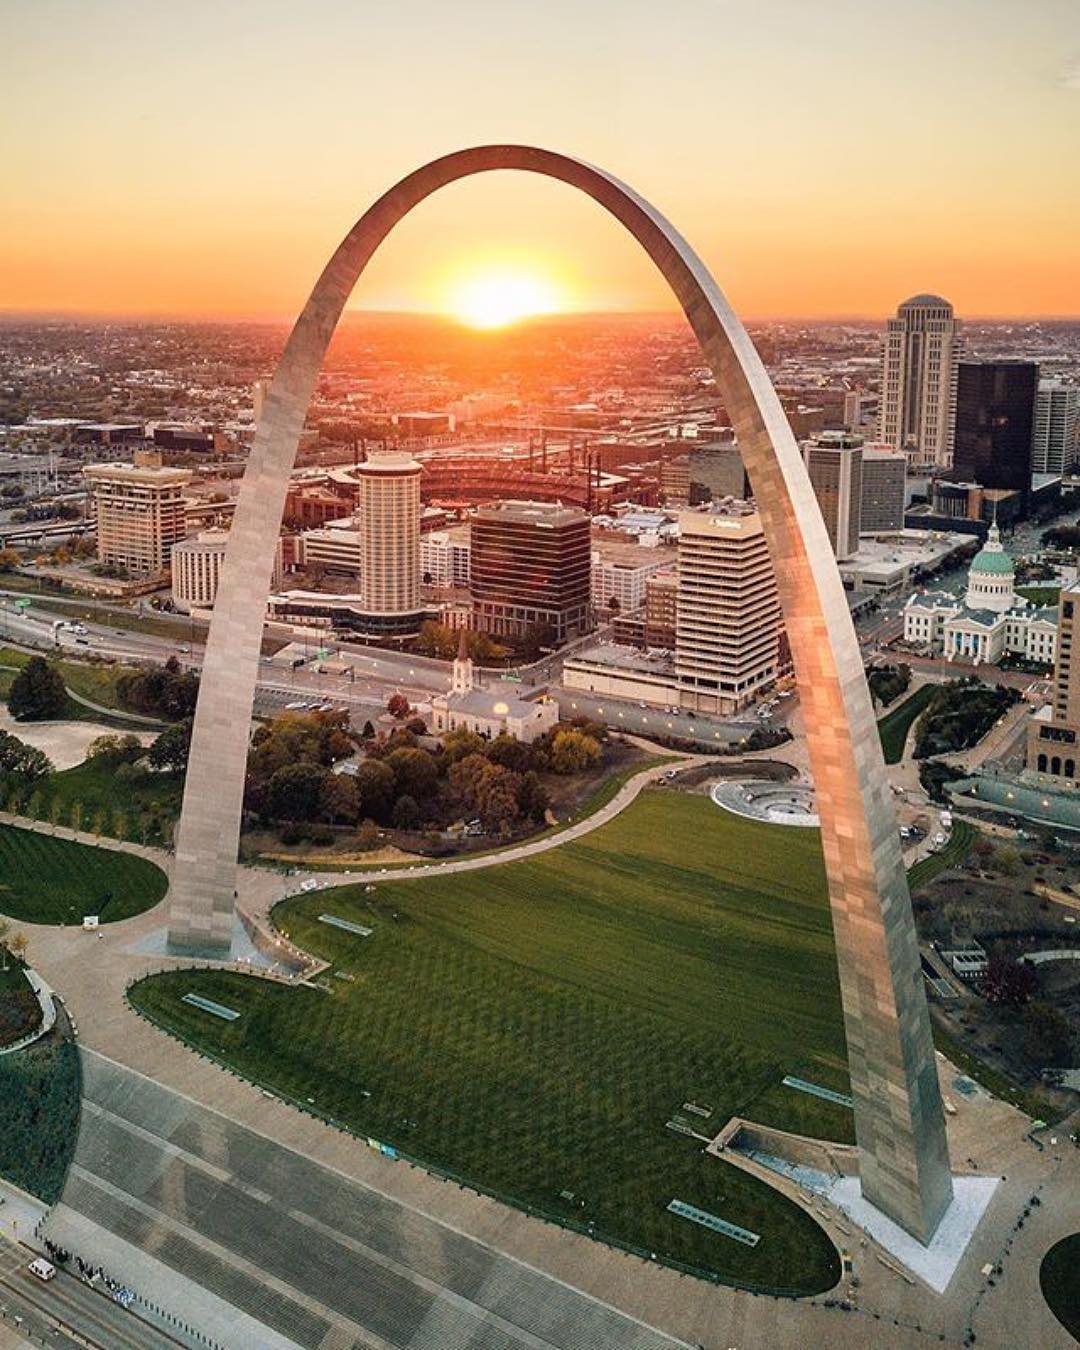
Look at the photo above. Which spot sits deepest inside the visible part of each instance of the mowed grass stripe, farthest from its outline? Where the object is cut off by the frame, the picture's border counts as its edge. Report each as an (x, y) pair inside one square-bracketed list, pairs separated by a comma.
[(48, 880), (532, 1026)]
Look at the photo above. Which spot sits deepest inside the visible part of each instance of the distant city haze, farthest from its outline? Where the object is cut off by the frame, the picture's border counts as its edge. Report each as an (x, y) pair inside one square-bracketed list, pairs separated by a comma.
[(826, 159)]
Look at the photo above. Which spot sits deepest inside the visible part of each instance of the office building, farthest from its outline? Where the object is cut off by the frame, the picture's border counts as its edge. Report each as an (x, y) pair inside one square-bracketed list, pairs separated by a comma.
[(337, 548), (140, 512), (530, 569), (717, 471), (196, 570), (727, 624), (1055, 437), (918, 381), (661, 607), (1053, 746), (675, 480), (620, 572), (884, 489), (834, 462), (995, 410), (445, 557), (389, 512)]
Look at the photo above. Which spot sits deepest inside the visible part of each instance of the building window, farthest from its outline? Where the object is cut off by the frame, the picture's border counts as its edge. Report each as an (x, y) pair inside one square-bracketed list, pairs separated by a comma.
[(1055, 766), (1042, 763)]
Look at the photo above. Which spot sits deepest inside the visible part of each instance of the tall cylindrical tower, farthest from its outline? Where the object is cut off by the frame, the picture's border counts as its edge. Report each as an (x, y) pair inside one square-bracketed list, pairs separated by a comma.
[(389, 509)]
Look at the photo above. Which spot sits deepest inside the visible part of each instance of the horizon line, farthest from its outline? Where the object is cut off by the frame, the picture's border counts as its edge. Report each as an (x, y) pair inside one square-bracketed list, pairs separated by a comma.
[(17, 315)]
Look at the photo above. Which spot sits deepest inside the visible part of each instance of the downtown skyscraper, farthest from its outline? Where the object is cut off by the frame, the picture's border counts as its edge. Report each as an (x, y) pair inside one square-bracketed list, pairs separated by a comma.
[(918, 381)]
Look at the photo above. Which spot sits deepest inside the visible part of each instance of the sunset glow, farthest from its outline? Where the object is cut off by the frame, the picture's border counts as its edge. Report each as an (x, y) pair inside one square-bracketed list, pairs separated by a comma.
[(496, 298)]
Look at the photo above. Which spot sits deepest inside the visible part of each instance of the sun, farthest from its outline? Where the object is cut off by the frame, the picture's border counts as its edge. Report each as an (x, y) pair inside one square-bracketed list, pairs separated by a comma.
[(495, 298)]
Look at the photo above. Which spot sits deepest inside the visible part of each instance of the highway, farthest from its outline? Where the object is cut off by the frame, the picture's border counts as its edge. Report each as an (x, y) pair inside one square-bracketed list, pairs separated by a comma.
[(375, 674), (68, 1313)]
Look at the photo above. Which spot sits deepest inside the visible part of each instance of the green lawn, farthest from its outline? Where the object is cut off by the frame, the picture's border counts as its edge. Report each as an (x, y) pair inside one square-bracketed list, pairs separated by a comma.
[(1040, 595), (894, 727), (1059, 1279), (532, 1026), (92, 797), (953, 851), (48, 880)]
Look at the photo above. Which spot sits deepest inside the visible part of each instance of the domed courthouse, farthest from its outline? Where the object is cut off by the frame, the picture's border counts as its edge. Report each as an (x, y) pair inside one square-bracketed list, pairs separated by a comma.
[(992, 621)]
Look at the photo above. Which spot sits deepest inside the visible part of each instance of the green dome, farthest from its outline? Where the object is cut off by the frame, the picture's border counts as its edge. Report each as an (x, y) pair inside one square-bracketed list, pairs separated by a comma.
[(999, 564)]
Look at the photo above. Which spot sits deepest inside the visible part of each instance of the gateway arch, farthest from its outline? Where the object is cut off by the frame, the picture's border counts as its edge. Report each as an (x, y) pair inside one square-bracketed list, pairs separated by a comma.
[(899, 1121)]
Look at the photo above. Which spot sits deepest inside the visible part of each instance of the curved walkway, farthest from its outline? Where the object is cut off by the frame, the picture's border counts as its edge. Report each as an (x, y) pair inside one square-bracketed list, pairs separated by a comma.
[(260, 890)]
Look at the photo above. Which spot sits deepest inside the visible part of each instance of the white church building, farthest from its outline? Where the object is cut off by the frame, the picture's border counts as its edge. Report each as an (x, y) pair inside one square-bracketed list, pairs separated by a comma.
[(991, 622), (490, 712)]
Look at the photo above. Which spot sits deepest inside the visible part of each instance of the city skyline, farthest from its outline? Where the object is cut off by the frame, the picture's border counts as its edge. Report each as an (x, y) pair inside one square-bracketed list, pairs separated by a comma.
[(145, 191)]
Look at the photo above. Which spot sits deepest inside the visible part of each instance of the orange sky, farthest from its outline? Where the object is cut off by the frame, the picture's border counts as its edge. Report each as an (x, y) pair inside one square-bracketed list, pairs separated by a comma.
[(825, 158)]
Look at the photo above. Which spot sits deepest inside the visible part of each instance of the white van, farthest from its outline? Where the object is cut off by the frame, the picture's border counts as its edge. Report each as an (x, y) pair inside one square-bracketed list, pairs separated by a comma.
[(43, 1269)]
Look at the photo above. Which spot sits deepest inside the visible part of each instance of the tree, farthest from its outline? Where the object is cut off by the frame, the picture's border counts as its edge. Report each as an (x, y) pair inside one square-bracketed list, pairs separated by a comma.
[(466, 779), (406, 814), (397, 705), (367, 836), (18, 945), (1048, 1036), (339, 800), (458, 745), (532, 798), (170, 750), (294, 792), (37, 692), (375, 784), (24, 761), (9, 559), (417, 726), (573, 752), (510, 753), (5, 929), (368, 733), (415, 772), (1008, 983), (498, 799), (113, 749)]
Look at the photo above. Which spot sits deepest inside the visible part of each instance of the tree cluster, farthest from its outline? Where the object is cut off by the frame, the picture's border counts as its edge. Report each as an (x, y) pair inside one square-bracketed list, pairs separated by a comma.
[(26, 762), (1063, 536), (959, 715), (37, 692), (291, 776), (166, 691), (439, 639), (888, 682)]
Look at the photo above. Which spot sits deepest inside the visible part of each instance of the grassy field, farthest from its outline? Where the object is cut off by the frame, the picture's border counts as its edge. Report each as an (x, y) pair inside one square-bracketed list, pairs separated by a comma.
[(894, 727), (1059, 1279), (533, 1026), (47, 880)]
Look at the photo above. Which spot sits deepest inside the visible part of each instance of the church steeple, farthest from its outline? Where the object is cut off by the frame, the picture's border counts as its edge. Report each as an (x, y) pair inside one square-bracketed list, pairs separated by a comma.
[(461, 678)]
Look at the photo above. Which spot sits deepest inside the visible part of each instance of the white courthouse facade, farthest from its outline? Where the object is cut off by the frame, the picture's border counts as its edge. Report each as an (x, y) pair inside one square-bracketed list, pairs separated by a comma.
[(991, 622)]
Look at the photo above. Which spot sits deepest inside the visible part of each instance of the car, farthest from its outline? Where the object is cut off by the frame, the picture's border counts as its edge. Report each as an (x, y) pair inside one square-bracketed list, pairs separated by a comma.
[(43, 1269)]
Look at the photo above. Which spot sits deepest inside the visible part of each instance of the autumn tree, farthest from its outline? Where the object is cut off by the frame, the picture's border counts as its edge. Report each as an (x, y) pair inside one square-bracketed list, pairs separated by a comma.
[(1008, 983), (573, 752)]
